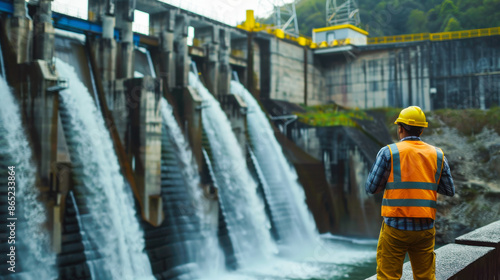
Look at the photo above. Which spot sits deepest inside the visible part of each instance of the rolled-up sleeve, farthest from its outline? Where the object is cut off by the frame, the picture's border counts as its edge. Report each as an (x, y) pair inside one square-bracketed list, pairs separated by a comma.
[(446, 185), (379, 174)]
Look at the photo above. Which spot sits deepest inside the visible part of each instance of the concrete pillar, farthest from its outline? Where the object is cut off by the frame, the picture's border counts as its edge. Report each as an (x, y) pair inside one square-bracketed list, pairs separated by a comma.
[(107, 49), (191, 110), (39, 107), (144, 143), (225, 69), (306, 74), (44, 32), (104, 47), (19, 7), (250, 66), (124, 19), (162, 25), (212, 66), (182, 59), (60, 184), (20, 31), (32, 76), (236, 111), (99, 8)]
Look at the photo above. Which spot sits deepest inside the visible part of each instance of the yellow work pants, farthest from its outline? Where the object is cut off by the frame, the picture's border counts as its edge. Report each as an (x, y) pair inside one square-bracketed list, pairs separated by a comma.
[(391, 251)]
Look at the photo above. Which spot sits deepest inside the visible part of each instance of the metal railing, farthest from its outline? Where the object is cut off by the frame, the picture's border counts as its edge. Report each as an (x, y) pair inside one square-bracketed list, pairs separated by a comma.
[(441, 36)]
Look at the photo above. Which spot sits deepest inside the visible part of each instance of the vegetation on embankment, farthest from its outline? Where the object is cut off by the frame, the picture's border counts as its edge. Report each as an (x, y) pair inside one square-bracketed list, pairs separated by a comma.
[(331, 115), (468, 122), (395, 17)]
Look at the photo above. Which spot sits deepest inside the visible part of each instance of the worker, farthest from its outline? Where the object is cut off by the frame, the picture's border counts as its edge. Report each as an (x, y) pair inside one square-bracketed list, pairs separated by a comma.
[(411, 173)]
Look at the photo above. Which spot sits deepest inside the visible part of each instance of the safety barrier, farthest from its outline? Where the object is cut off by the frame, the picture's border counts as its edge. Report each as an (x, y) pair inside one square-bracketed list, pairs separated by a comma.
[(441, 36)]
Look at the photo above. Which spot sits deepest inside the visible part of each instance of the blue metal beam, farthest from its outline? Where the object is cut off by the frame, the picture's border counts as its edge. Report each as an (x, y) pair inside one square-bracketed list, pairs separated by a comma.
[(70, 23), (6, 7), (78, 25)]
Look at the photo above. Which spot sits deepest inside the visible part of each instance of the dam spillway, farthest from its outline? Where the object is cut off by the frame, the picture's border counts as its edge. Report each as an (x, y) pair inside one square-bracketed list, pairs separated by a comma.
[(134, 165), (189, 232), (248, 226), (284, 194), (26, 213), (107, 212)]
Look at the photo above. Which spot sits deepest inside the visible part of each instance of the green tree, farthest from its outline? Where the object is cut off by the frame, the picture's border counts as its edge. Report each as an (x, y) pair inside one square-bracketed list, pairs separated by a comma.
[(310, 14), (448, 8), (393, 17), (417, 22), (452, 25)]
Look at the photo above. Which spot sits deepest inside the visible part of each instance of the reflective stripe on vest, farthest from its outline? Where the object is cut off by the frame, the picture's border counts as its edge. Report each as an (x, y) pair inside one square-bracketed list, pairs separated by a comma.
[(411, 190)]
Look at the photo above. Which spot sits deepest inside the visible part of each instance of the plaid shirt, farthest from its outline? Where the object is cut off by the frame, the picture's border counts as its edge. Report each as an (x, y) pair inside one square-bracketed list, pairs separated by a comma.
[(379, 175)]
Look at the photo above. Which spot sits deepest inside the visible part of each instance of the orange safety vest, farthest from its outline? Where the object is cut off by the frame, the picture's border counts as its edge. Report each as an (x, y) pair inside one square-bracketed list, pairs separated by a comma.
[(411, 189)]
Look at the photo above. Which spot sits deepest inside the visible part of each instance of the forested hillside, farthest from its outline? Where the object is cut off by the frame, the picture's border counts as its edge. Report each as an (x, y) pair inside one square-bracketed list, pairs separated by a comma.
[(394, 17)]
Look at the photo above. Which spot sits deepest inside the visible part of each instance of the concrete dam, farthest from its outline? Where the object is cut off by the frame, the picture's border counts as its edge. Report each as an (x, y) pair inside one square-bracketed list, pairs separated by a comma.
[(143, 156)]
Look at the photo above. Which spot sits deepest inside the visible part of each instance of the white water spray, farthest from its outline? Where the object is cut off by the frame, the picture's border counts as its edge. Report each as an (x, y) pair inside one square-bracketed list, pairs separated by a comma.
[(33, 252), (209, 256), (293, 221), (111, 222), (247, 222)]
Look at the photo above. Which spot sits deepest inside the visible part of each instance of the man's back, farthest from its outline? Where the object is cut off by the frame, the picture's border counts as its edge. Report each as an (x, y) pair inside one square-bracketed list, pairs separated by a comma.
[(410, 173)]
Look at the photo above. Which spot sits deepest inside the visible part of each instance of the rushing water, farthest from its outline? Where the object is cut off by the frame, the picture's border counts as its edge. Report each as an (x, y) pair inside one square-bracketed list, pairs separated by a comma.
[(108, 218), (285, 195), (34, 258), (303, 253), (202, 246), (244, 212)]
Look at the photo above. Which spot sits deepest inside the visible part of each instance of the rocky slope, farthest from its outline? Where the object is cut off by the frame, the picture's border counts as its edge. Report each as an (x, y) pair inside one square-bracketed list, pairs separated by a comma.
[(475, 165)]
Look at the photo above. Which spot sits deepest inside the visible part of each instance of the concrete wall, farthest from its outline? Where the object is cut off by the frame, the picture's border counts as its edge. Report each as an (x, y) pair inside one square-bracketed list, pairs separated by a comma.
[(462, 73), (465, 73), (287, 73), (380, 78)]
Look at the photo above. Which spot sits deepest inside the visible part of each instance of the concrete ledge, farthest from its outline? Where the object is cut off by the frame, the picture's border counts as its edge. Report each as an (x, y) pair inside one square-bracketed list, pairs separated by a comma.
[(486, 236), (455, 261)]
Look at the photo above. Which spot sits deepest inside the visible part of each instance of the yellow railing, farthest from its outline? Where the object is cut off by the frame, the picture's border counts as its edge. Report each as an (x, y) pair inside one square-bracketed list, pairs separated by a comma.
[(435, 36), (251, 26)]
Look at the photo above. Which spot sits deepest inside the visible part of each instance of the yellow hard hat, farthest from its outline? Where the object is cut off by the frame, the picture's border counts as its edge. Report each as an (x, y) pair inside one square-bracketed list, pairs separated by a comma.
[(413, 116)]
